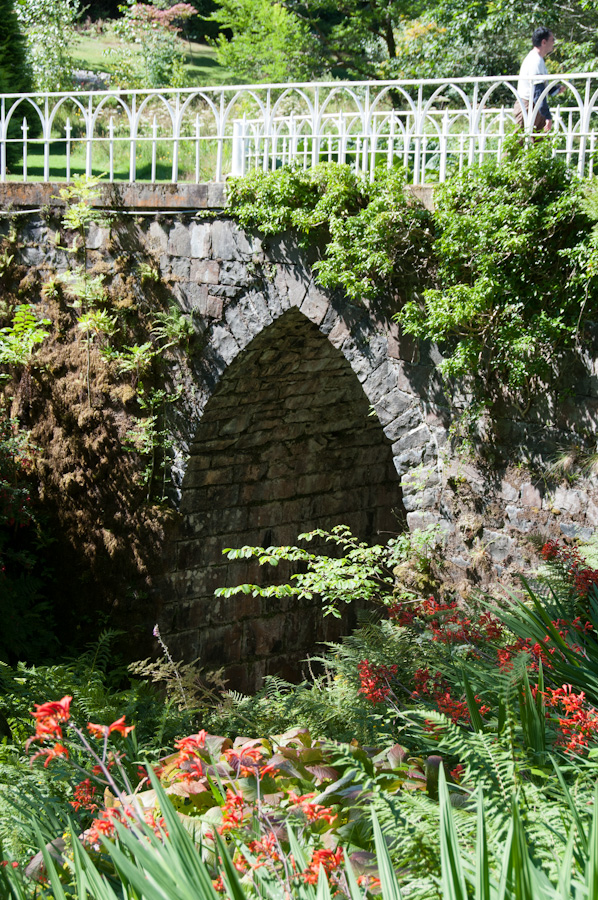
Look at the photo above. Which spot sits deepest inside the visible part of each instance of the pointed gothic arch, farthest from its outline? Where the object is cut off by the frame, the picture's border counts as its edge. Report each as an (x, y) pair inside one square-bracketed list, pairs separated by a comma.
[(285, 442)]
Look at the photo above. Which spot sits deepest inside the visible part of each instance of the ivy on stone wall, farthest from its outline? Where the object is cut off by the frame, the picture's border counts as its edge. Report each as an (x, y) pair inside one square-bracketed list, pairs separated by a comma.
[(516, 258), (373, 237), (502, 275)]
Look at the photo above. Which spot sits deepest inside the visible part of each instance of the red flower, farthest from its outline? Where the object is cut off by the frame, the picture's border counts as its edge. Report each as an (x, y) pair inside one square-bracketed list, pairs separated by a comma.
[(375, 680), (84, 795), (102, 731), (327, 859), (48, 718), (51, 753)]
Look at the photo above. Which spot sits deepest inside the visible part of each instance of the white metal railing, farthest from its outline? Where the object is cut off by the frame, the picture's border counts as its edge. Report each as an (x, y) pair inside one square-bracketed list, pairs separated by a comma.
[(431, 127)]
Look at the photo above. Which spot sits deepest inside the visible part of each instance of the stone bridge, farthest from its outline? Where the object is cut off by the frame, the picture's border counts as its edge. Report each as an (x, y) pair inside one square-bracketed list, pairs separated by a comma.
[(303, 410)]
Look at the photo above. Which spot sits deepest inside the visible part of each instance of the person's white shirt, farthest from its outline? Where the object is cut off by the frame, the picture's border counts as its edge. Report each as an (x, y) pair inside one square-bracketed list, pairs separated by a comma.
[(533, 71)]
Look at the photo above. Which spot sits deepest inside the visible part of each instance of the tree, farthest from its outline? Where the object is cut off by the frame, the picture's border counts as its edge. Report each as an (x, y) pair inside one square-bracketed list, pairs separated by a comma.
[(14, 76), (375, 39), (267, 43), (49, 25)]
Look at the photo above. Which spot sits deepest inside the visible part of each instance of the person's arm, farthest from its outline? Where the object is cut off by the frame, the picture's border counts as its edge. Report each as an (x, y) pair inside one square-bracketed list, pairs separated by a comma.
[(544, 108)]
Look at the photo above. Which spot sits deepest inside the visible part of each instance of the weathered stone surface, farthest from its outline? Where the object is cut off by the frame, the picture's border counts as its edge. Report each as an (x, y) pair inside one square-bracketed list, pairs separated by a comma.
[(201, 241), (180, 268), (498, 546), (205, 271), (179, 241), (531, 495), (157, 239), (276, 410), (97, 237)]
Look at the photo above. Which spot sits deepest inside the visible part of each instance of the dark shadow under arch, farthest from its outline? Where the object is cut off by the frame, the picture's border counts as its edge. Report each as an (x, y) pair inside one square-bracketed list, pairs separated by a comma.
[(285, 444)]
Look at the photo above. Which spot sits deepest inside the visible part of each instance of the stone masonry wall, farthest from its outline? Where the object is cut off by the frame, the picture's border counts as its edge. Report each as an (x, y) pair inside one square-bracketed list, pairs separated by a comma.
[(301, 410)]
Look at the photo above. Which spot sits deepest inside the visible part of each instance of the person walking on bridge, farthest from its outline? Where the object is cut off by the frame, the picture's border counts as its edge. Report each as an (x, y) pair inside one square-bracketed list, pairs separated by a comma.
[(531, 82)]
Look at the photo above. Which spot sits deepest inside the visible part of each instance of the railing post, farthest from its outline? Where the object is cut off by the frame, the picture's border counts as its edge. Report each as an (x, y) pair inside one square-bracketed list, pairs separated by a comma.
[(197, 139), (473, 133), (3, 145), (501, 133), (176, 137), (238, 148), (46, 142), (443, 146), (315, 139), (418, 135), (584, 128), (154, 147), (68, 149), (111, 149), (89, 138), (133, 141), (220, 138), (24, 130), (391, 140)]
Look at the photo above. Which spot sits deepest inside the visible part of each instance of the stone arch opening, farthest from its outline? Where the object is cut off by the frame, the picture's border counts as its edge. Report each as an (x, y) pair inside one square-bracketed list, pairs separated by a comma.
[(285, 444)]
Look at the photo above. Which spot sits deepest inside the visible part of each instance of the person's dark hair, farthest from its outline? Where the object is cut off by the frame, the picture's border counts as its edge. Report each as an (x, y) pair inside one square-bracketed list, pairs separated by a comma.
[(539, 35)]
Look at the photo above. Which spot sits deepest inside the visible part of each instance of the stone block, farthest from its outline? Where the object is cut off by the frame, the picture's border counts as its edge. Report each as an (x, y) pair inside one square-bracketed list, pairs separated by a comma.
[(592, 513), (212, 307), (292, 282), (179, 241), (417, 438), (205, 271), (570, 501), (227, 241), (315, 305), (516, 518), (224, 344), (180, 268), (509, 492), (235, 273), (201, 241), (498, 545), (32, 256), (191, 297), (97, 237), (339, 333), (381, 381), (156, 238), (391, 405), (243, 330), (573, 530), (418, 499)]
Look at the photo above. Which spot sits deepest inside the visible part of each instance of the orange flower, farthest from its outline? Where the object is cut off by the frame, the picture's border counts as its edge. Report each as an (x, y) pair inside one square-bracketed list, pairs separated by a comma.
[(101, 731), (51, 753), (48, 717)]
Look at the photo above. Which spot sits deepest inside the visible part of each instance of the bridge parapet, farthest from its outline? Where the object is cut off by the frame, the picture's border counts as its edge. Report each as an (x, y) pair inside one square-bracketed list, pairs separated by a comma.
[(431, 127)]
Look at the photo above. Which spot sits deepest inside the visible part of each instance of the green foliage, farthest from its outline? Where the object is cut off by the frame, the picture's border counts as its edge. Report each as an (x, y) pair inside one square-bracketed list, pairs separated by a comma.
[(151, 436), (516, 267), (14, 76), (19, 340), (153, 54), (362, 572), (374, 237), (261, 40), (49, 25), (173, 327)]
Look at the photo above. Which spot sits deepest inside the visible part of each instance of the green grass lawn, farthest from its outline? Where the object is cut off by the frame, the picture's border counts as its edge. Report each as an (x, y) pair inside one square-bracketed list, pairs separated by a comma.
[(93, 53)]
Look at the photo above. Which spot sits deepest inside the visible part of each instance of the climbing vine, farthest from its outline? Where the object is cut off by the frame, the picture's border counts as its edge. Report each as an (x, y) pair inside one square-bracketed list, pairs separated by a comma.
[(502, 275), (373, 237)]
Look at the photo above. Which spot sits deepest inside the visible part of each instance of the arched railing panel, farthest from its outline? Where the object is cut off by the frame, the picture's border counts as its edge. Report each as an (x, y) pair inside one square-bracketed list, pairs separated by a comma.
[(430, 127)]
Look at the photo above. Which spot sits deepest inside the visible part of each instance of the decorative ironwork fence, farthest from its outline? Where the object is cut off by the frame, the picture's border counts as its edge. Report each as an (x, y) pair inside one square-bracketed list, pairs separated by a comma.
[(431, 127)]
